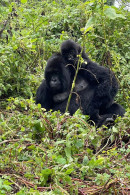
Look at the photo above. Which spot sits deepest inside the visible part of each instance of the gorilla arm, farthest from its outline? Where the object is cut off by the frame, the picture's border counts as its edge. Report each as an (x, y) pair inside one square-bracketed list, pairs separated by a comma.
[(43, 96)]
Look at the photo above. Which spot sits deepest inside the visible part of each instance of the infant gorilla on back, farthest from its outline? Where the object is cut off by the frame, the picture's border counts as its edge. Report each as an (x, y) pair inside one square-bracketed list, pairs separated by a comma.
[(94, 91), (101, 79)]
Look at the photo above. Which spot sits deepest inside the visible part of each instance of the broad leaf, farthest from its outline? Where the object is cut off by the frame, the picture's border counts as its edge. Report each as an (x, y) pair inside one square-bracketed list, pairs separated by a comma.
[(89, 24), (111, 13)]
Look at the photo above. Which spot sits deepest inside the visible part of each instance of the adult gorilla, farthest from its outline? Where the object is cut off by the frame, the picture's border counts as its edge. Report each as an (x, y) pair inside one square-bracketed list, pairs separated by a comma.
[(55, 88), (101, 79)]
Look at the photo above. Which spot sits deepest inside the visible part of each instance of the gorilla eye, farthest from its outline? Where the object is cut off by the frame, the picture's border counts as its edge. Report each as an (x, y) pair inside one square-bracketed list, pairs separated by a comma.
[(64, 53), (72, 52), (57, 72)]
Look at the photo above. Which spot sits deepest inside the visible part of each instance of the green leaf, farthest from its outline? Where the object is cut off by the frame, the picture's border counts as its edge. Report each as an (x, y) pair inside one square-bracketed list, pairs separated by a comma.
[(59, 142), (69, 171), (89, 24), (85, 160), (79, 143), (68, 154), (38, 126), (45, 174), (23, 1), (114, 129), (61, 160), (112, 138), (111, 13)]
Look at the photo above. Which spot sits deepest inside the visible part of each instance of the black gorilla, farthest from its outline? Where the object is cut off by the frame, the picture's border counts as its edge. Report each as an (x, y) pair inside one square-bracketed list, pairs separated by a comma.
[(101, 79), (56, 86), (70, 51), (54, 91)]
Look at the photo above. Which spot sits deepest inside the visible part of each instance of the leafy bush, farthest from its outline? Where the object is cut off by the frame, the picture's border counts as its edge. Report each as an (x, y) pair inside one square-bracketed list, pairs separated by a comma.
[(46, 152), (43, 149), (31, 31)]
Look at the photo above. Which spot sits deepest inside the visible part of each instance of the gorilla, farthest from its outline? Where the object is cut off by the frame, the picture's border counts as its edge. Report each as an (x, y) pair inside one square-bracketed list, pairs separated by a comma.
[(55, 88), (101, 79), (54, 91), (70, 51)]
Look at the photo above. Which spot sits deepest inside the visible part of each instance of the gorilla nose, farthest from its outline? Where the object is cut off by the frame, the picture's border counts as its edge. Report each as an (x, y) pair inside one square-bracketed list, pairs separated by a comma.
[(54, 80), (70, 57)]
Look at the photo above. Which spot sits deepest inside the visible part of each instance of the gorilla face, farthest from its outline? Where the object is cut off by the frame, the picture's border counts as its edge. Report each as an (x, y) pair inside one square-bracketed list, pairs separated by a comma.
[(56, 74), (55, 83), (70, 50)]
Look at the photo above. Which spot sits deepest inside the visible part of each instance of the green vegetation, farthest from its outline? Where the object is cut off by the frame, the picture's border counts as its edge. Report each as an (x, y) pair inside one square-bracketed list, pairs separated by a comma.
[(50, 153)]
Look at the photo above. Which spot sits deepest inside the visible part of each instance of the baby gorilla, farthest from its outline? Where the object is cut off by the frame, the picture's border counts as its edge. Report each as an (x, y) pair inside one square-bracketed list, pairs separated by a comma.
[(70, 51), (101, 79)]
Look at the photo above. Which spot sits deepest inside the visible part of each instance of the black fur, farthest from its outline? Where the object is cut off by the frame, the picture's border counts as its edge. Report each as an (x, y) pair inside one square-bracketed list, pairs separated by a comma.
[(70, 51), (57, 81), (101, 79), (94, 90), (54, 90)]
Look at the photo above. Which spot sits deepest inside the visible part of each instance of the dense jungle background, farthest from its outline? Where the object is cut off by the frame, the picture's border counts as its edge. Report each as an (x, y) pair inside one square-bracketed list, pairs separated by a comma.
[(46, 152)]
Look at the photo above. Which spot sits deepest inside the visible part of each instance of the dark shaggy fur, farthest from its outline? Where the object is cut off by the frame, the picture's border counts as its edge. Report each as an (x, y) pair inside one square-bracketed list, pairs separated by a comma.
[(101, 79), (54, 91)]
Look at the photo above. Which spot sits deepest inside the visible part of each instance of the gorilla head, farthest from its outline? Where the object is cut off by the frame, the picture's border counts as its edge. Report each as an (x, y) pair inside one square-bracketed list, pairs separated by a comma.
[(56, 74), (70, 51)]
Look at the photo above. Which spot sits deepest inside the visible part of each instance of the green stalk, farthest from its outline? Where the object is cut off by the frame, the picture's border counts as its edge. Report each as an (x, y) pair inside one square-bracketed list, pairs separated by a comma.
[(73, 84)]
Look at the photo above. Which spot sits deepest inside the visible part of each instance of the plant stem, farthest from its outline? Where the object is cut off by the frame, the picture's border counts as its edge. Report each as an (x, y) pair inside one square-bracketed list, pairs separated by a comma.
[(73, 85)]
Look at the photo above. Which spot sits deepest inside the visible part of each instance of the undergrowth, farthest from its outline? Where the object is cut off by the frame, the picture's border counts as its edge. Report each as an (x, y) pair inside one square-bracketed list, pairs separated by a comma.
[(47, 152), (43, 152)]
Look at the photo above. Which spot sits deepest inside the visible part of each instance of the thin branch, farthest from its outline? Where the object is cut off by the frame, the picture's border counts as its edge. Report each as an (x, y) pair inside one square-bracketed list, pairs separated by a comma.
[(7, 141), (90, 73), (103, 147), (73, 85)]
